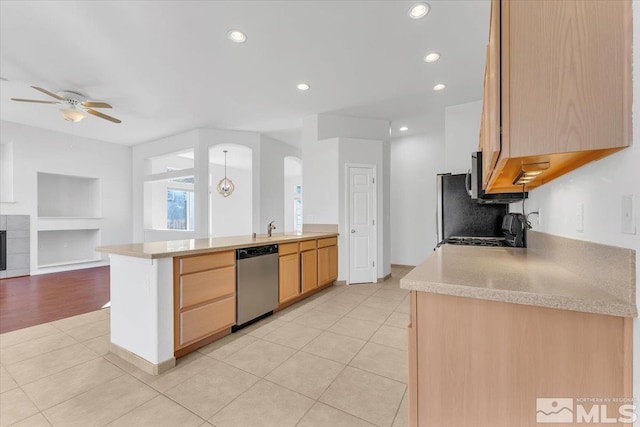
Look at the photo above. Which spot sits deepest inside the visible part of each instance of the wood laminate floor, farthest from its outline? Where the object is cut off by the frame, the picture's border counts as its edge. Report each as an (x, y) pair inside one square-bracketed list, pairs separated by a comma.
[(33, 300)]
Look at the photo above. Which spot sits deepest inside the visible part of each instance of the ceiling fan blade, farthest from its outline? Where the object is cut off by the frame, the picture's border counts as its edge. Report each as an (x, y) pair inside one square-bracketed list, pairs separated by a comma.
[(95, 104), (103, 116), (34, 100), (46, 92)]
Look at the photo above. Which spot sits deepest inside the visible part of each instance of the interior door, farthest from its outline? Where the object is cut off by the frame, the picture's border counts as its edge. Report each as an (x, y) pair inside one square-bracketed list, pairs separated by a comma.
[(362, 226)]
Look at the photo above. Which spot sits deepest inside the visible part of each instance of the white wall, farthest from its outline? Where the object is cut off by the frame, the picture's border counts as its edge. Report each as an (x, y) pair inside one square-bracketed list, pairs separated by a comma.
[(365, 152), (272, 154), (231, 216), (267, 159), (415, 162), (290, 184), (38, 150), (319, 176), (199, 140), (333, 126), (462, 134), (141, 166), (6, 172), (211, 137)]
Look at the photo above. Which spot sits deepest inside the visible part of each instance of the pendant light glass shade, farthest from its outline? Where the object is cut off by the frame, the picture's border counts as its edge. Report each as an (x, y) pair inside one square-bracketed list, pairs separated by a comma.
[(225, 186)]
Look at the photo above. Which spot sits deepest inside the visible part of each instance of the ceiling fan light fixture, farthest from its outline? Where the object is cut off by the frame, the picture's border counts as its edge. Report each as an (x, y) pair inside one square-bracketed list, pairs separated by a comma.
[(72, 114)]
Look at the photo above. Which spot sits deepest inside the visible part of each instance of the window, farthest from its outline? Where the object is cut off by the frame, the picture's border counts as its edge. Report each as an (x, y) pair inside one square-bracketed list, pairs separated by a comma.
[(180, 209), (169, 192)]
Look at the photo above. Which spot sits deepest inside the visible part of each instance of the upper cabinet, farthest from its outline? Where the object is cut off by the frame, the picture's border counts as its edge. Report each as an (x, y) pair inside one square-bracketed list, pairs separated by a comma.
[(557, 91)]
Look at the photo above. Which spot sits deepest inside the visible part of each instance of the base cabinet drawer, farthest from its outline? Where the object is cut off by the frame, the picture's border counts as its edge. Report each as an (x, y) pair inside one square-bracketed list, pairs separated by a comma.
[(196, 263), (207, 319), (196, 288), (329, 241)]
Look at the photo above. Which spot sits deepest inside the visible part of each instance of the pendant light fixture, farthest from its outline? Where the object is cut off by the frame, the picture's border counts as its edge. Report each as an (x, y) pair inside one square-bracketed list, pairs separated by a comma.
[(225, 186)]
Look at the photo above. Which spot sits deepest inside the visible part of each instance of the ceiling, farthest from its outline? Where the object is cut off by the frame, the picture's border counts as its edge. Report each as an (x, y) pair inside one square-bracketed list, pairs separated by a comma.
[(167, 66)]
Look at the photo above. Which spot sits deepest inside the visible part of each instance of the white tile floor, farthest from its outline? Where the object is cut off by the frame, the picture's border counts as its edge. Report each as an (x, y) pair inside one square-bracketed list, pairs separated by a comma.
[(337, 359)]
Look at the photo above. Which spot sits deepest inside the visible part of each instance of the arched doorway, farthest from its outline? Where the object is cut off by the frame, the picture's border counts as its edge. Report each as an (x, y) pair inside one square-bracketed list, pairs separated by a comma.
[(292, 194)]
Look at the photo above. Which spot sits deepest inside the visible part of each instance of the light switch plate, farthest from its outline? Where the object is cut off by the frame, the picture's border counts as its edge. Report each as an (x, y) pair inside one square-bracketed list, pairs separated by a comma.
[(539, 219), (628, 225)]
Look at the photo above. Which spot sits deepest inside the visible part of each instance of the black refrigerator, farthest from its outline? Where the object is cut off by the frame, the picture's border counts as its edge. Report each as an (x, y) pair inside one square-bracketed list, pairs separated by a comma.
[(459, 215)]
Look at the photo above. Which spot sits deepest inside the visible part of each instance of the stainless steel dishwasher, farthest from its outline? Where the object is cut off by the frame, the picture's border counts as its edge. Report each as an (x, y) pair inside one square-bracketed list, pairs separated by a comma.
[(257, 283)]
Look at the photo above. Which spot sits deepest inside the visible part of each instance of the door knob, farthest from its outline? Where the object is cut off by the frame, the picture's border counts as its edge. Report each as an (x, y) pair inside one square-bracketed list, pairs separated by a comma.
[(353, 231)]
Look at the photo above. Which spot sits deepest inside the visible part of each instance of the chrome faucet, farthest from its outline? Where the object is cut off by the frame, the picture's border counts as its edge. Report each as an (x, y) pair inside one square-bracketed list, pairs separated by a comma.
[(270, 228)]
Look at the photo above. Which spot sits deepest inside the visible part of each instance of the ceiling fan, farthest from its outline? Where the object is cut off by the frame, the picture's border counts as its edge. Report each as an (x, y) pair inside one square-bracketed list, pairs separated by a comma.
[(74, 105)]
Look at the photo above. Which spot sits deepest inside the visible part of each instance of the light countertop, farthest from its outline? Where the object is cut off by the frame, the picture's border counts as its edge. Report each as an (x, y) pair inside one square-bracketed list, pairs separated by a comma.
[(513, 275), (194, 246)]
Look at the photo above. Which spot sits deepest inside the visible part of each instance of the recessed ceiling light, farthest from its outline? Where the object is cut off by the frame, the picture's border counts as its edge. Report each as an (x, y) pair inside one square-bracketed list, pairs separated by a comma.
[(419, 10), (432, 57), (237, 36), (303, 86), (439, 86), (404, 129)]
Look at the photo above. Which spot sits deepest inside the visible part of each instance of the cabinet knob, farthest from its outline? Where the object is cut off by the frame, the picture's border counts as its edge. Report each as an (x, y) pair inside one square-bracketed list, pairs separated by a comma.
[(353, 231)]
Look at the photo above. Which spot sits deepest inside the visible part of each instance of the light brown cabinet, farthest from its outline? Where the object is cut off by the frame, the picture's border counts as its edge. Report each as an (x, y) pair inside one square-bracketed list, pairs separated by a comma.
[(288, 272), (483, 363), (327, 260), (204, 297), (305, 267), (308, 265), (557, 88)]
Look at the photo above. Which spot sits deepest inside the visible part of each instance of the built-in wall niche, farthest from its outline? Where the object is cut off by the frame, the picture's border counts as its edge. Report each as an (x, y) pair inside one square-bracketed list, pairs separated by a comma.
[(62, 247), (66, 196)]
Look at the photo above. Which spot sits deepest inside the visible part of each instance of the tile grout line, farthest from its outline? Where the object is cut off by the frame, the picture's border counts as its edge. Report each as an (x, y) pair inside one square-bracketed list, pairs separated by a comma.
[(400, 405), (326, 296)]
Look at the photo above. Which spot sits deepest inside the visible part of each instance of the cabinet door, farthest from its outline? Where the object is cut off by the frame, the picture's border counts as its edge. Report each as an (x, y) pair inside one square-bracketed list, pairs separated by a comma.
[(491, 144), (289, 277), (309, 261), (327, 265)]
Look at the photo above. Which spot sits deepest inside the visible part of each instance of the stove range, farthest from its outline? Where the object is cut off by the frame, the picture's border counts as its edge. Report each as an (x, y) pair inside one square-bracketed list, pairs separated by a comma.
[(475, 241)]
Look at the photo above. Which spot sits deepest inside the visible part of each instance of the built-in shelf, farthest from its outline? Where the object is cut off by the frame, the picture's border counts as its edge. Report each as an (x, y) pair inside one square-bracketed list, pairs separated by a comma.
[(69, 217), (64, 247), (66, 196), (59, 264)]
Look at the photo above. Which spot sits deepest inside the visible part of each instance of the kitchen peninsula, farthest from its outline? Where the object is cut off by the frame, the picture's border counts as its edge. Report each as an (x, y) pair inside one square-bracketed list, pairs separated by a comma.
[(169, 298), (493, 329)]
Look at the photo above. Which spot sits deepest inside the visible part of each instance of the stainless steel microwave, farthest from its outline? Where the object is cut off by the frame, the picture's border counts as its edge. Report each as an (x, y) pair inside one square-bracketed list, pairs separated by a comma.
[(474, 185)]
